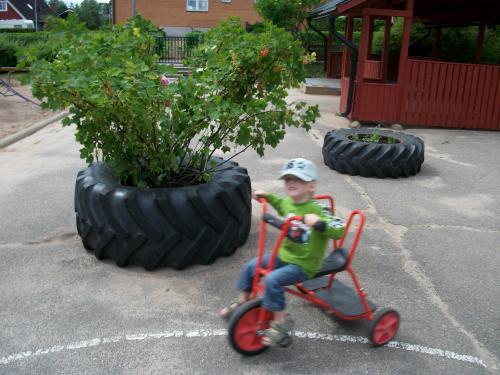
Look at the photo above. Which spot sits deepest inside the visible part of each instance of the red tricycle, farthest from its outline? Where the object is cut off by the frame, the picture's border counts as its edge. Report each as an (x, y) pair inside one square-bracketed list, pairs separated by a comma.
[(249, 320)]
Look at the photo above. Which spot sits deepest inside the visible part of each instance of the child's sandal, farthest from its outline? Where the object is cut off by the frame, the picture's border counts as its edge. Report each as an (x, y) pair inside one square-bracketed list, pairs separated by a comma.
[(226, 312), (278, 334)]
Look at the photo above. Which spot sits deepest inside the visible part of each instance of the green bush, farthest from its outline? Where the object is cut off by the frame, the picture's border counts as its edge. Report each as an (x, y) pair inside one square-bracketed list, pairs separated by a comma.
[(458, 44), (12, 45), (194, 38), (491, 49), (47, 45), (256, 27), (8, 50), (234, 99), (16, 31), (25, 39)]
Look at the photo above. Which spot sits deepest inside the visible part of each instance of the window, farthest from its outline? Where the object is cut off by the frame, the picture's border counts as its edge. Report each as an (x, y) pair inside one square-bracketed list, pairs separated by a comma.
[(197, 5), (3, 5)]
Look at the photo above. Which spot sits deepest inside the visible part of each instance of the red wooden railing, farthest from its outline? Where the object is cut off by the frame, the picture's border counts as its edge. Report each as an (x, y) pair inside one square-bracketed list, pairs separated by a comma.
[(451, 95), (435, 93), (377, 102), (373, 69)]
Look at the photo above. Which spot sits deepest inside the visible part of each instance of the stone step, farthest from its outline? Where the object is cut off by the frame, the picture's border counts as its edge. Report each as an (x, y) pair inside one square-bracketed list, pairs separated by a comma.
[(321, 86)]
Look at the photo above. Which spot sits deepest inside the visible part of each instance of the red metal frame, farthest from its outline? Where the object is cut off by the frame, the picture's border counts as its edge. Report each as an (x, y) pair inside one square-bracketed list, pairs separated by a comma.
[(304, 293)]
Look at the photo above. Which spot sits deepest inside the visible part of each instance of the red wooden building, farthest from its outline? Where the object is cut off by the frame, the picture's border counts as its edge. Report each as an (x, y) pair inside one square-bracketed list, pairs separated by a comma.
[(413, 90)]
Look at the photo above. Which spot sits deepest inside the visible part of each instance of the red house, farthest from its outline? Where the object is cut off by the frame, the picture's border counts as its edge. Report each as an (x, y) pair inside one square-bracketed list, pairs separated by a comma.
[(414, 90), (27, 10)]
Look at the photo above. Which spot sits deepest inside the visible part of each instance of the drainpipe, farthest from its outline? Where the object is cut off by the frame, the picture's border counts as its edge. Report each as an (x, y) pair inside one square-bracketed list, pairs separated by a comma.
[(325, 44), (354, 62)]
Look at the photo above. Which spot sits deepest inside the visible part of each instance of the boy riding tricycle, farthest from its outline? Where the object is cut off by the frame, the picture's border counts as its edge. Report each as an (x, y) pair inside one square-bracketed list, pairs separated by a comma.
[(297, 266)]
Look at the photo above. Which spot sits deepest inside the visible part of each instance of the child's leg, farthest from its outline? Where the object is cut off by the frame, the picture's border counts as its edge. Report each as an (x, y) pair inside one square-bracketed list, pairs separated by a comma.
[(244, 284), (274, 300), (274, 295)]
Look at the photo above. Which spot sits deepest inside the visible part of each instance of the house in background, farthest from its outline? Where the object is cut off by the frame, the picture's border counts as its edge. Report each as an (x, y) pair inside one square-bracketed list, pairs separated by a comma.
[(179, 17), (23, 13)]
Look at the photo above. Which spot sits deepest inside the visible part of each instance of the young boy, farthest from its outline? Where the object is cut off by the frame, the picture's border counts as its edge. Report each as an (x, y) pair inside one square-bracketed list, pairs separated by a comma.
[(296, 262)]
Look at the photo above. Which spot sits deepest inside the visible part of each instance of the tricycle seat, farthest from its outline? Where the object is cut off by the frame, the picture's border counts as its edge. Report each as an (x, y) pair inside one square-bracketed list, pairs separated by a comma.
[(335, 262)]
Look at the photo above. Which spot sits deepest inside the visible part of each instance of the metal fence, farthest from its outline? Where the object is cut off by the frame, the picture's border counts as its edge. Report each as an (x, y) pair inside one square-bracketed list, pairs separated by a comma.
[(173, 49)]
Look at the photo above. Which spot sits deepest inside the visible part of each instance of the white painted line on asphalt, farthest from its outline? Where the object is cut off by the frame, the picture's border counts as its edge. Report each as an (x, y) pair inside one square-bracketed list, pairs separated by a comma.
[(223, 332), (395, 345)]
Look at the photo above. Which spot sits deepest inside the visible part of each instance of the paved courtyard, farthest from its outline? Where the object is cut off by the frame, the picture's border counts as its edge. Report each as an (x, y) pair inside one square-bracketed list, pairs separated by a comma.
[(430, 250)]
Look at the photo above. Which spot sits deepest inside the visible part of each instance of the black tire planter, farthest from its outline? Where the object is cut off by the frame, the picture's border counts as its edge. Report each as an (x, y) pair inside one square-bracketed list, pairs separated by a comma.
[(160, 227), (345, 155)]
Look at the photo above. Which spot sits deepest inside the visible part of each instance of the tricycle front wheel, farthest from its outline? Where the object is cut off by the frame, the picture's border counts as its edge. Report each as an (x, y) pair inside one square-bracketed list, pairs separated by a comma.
[(244, 328)]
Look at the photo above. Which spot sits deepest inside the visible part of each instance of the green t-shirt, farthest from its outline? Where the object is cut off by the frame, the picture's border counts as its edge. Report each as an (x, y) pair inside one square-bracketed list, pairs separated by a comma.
[(308, 256)]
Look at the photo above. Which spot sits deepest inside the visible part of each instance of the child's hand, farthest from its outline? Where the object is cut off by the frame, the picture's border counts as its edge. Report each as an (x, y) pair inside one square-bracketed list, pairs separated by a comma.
[(311, 219), (259, 194)]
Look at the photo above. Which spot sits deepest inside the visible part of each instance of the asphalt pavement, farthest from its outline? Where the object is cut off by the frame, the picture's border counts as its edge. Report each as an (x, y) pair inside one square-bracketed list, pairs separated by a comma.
[(430, 250)]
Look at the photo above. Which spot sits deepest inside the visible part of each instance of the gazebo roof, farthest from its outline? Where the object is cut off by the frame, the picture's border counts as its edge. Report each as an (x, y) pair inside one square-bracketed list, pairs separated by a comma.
[(431, 12), (326, 8)]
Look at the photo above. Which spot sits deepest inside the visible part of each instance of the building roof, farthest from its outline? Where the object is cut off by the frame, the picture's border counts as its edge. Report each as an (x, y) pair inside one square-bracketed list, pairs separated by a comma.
[(430, 12), (27, 8), (325, 9)]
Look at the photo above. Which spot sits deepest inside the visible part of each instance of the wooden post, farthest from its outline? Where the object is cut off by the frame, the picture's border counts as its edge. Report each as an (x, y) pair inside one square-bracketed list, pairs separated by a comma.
[(405, 43), (346, 58), (362, 56), (403, 67), (370, 40), (480, 42), (363, 48), (385, 52), (437, 42)]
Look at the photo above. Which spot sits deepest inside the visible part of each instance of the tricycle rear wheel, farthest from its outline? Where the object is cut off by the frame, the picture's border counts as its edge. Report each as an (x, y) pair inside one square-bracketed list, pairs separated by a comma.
[(244, 327), (384, 326)]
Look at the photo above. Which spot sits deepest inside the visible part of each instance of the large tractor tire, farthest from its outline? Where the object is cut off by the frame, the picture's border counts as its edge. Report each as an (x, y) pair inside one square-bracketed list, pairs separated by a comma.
[(160, 227), (344, 152)]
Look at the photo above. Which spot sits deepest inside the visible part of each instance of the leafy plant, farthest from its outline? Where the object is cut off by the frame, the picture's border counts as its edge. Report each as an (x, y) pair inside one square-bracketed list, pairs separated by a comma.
[(374, 137), (234, 100)]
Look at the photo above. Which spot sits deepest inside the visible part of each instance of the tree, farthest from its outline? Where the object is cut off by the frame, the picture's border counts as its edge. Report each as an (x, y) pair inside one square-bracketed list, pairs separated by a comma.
[(289, 14), (89, 12), (58, 5)]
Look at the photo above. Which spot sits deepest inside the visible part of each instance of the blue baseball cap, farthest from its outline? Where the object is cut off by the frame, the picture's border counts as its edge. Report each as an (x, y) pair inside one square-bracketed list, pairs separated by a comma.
[(300, 168)]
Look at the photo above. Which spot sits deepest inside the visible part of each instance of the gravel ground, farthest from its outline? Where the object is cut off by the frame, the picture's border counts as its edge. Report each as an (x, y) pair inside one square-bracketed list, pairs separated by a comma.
[(16, 113)]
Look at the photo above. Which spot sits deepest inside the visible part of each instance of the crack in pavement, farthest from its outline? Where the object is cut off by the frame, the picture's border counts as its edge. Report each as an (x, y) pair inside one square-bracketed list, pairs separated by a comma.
[(457, 227), (436, 226), (56, 238), (397, 234)]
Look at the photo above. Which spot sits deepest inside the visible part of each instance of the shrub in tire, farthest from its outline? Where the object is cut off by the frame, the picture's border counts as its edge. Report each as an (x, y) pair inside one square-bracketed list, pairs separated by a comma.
[(161, 227), (346, 155)]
